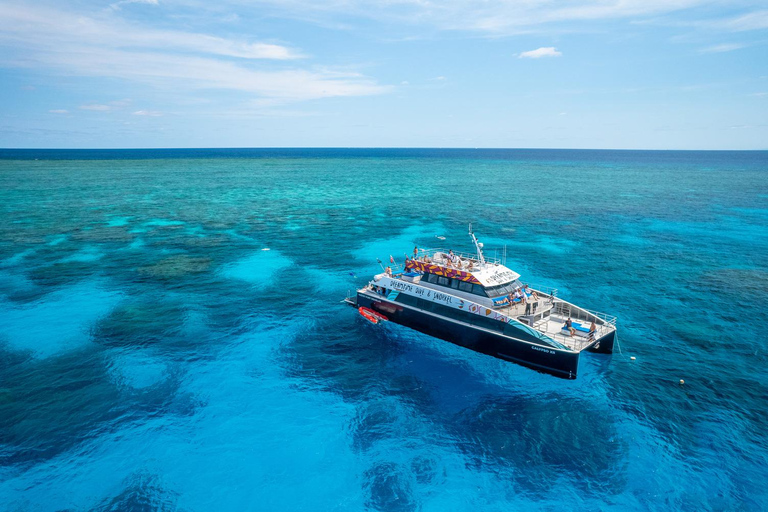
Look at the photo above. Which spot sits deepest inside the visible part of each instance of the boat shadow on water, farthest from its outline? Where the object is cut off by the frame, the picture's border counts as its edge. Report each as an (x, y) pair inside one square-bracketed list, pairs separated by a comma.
[(408, 384)]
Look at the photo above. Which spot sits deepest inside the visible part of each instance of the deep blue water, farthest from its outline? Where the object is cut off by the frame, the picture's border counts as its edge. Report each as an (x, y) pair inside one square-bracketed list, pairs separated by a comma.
[(153, 356)]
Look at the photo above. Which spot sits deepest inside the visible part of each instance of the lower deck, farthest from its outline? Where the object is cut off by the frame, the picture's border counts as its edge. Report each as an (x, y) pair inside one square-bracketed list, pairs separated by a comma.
[(548, 316)]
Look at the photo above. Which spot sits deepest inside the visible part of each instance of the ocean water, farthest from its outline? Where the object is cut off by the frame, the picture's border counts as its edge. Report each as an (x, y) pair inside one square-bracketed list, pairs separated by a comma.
[(155, 356)]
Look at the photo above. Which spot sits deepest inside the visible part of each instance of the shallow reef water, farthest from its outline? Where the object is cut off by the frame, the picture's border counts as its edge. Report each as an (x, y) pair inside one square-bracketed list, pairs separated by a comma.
[(172, 337)]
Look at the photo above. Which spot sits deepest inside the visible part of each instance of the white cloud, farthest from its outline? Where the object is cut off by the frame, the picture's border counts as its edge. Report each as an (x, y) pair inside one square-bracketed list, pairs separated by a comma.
[(148, 113), (52, 30), (489, 16), (755, 20), (120, 103), (101, 107), (194, 73), (59, 111), (96, 107), (546, 51), (722, 48), (106, 46), (117, 5)]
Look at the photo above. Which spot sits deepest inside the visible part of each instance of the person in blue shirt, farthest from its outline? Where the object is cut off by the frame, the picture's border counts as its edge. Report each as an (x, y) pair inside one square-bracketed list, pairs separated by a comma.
[(569, 326)]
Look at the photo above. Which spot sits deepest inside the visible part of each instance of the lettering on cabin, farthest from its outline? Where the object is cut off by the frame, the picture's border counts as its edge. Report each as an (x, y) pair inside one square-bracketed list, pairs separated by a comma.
[(444, 298), (419, 291), (399, 285), (545, 350), (501, 276)]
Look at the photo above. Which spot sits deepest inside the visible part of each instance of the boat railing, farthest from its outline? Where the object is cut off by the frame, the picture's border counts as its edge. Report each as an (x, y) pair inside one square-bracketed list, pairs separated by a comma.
[(472, 256), (577, 342), (605, 317), (576, 313), (547, 290)]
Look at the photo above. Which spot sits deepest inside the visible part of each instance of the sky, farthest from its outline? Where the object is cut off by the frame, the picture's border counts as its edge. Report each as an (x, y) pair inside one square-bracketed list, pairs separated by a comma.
[(623, 74)]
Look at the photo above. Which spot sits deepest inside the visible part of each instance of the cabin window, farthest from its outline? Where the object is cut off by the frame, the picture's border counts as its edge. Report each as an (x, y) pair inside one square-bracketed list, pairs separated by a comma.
[(465, 287), (455, 283), (431, 278), (477, 289), (442, 281)]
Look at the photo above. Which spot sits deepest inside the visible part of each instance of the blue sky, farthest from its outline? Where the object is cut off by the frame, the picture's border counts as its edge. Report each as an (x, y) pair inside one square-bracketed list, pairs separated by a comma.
[(646, 74)]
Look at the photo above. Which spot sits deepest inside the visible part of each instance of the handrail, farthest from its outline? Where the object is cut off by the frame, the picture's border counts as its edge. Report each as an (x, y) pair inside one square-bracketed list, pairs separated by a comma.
[(575, 312), (547, 290), (609, 319), (462, 255)]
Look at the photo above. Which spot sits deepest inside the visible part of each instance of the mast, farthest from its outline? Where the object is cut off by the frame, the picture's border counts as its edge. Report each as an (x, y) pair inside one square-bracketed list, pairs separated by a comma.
[(478, 246)]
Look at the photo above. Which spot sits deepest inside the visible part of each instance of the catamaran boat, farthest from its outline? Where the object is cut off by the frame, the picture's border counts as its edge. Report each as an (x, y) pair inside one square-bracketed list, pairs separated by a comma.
[(478, 303)]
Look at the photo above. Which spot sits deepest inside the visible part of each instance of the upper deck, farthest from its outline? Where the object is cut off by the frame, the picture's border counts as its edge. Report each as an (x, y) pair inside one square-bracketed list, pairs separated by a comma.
[(470, 268)]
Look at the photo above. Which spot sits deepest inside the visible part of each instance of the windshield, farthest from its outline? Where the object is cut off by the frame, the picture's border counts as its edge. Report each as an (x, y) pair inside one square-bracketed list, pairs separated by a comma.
[(502, 289)]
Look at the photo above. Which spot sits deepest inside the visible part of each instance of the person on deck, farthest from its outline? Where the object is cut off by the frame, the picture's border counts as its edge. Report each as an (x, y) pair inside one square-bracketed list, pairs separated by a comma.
[(449, 260), (388, 271), (415, 252), (592, 331), (569, 326)]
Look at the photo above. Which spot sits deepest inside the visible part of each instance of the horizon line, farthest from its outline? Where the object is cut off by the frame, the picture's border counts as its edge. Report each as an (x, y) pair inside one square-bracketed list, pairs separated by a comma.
[(364, 148)]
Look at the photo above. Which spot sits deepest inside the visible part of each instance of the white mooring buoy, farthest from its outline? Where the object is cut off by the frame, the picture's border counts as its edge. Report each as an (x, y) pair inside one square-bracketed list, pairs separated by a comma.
[(632, 358), (682, 382)]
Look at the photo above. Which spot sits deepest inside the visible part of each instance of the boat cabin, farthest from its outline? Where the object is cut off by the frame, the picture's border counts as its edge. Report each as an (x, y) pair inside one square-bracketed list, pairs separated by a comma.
[(486, 282)]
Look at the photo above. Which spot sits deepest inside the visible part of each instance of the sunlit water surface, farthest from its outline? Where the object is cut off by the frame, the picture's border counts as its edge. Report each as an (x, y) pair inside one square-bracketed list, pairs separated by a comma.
[(154, 356)]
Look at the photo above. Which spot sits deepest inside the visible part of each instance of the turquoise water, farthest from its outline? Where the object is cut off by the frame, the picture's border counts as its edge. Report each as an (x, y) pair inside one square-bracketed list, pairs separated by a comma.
[(153, 354)]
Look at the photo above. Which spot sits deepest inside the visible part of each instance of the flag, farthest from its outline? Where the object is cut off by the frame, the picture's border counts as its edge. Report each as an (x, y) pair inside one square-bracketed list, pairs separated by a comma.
[(391, 259)]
